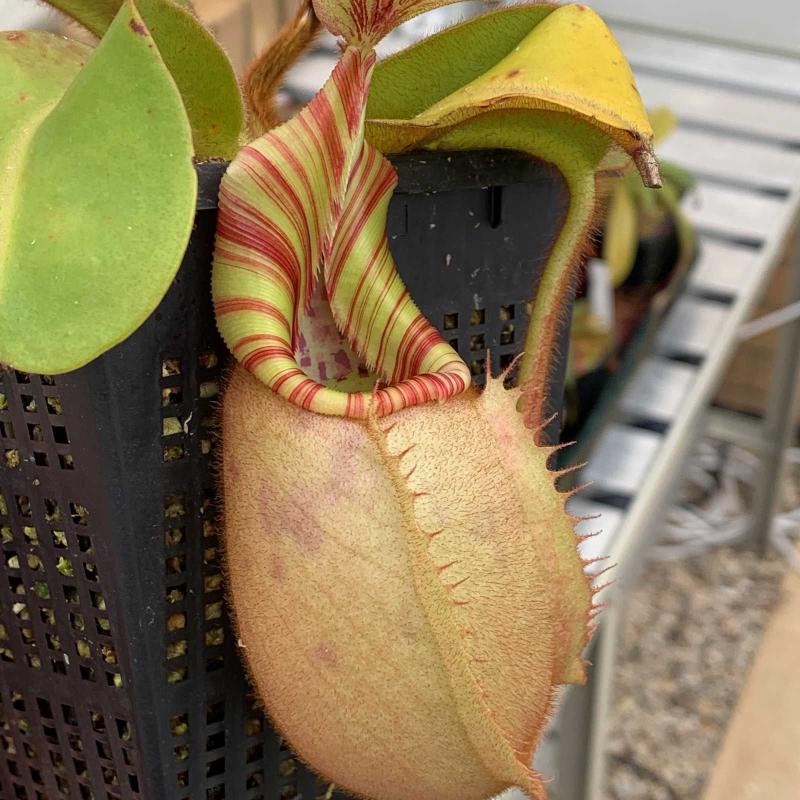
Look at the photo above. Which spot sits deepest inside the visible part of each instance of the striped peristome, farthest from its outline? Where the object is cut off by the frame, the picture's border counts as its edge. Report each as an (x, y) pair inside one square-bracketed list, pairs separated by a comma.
[(311, 197)]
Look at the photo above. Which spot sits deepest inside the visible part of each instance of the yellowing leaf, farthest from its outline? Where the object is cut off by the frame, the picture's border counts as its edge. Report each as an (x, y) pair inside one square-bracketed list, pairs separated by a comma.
[(621, 234), (98, 195), (569, 62)]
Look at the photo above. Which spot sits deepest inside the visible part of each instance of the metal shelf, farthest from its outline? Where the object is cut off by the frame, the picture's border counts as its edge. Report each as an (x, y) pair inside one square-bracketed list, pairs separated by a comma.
[(739, 133)]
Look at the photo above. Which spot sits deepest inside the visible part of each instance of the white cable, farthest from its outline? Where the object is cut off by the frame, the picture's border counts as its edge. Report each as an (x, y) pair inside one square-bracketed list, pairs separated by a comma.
[(725, 477), (770, 321)]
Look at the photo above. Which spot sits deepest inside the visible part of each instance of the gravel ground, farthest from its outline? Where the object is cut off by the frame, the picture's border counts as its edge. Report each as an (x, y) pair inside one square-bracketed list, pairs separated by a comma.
[(691, 632)]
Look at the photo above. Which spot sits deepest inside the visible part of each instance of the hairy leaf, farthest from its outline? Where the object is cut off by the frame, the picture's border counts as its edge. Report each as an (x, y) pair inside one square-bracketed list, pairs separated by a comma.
[(97, 15), (198, 65), (98, 198), (204, 76), (363, 23), (413, 80)]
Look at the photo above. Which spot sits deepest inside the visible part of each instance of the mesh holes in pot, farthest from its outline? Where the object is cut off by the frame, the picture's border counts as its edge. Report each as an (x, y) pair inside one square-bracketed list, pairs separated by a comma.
[(120, 676)]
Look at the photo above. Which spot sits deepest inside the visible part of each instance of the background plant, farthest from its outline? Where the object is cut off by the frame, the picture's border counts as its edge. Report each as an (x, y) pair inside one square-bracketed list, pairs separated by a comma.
[(634, 213)]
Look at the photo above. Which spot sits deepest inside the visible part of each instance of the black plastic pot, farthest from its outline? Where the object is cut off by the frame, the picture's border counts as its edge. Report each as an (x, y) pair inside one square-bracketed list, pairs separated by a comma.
[(119, 672), (593, 397), (656, 258)]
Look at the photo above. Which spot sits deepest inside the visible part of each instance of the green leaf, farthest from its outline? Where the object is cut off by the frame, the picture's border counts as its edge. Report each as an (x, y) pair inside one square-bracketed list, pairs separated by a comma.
[(37, 67), (96, 15), (204, 75), (677, 176), (621, 234), (687, 237), (98, 197), (200, 67), (417, 78), (664, 122)]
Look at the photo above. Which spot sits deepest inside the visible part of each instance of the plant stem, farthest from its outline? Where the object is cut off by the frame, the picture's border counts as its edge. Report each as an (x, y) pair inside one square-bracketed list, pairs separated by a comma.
[(575, 149), (551, 307)]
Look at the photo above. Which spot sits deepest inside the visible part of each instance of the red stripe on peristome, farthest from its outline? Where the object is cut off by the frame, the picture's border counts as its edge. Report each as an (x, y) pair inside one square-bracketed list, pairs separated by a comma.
[(266, 270), (252, 362), (288, 200), (305, 207), (354, 408), (344, 246), (406, 347), (233, 304), (291, 372), (331, 207), (358, 214), (241, 223), (277, 249), (354, 321), (423, 387), (423, 346), (351, 83), (304, 393), (259, 337), (321, 112), (390, 322)]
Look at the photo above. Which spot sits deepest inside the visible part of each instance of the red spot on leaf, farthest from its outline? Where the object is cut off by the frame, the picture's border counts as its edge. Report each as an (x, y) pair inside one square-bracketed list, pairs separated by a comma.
[(138, 27), (514, 73), (325, 654), (23, 97), (294, 517), (277, 569), (16, 36)]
